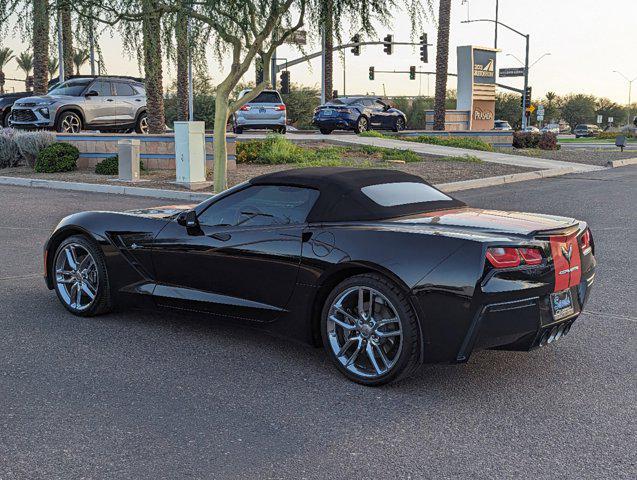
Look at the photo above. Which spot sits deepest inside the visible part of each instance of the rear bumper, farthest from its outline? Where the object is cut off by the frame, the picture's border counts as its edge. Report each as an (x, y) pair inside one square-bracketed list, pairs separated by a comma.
[(336, 123), (260, 122)]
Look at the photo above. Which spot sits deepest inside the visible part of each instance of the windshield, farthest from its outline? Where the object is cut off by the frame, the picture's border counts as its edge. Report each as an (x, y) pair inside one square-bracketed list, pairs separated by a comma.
[(74, 88)]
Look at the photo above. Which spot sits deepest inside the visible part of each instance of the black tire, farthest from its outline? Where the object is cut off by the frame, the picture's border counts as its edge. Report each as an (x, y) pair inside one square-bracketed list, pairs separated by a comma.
[(238, 130), (399, 124), (362, 125), (5, 119), (326, 131), (68, 122), (141, 127), (407, 360), (282, 130), (102, 302)]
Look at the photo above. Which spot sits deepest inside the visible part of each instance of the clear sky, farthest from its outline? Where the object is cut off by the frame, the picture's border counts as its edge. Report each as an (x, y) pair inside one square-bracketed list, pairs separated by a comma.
[(587, 40)]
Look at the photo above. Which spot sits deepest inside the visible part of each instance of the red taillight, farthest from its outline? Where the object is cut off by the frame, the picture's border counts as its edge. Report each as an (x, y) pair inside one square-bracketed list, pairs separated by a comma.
[(585, 241), (531, 256), (508, 257), (501, 257), (280, 107), (245, 108)]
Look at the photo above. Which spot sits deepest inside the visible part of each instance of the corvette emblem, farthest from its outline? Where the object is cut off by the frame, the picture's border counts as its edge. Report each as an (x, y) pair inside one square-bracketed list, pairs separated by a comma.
[(567, 251)]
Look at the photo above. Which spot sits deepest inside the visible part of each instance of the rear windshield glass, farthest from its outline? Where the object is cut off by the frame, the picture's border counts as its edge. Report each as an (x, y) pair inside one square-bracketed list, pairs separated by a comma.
[(267, 97), (402, 193), (73, 88)]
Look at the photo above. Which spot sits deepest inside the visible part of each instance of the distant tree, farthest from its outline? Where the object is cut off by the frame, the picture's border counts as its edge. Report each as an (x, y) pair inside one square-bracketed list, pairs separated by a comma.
[(25, 63), (6, 55), (442, 63), (53, 66), (607, 108), (579, 108), (300, 104), (507, 107), (80, 57), (551, 107)]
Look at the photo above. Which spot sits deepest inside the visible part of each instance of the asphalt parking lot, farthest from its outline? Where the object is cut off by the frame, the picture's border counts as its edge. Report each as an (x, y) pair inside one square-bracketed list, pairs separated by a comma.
[(140, 395)]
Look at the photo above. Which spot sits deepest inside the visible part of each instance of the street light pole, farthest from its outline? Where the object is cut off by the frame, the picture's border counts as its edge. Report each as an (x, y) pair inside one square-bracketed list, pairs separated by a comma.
[(630, 89), (495, 39)]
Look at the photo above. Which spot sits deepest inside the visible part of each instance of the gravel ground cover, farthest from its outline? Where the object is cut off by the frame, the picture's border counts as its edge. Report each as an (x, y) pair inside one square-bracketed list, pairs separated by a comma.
[(432, 168)]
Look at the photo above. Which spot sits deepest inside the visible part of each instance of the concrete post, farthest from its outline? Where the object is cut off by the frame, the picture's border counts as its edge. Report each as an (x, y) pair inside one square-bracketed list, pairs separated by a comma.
[(190, 155), (128, 154)]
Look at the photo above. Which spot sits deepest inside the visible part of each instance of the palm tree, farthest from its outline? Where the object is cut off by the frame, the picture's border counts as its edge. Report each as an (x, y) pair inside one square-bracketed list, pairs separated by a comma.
[(328, 27), (53, 66), (442, 61), (25, 63), (40, 35), (183, 50), (80, 57), (64, 11), (6, 54)]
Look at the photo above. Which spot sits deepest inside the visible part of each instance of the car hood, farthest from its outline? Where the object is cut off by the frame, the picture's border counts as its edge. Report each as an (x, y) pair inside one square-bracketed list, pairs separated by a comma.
[(491, 221), (164, 211), (44, 98)]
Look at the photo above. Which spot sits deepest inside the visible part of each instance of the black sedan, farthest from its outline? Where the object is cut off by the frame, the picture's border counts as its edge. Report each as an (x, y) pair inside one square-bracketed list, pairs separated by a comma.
[(358, 114), (380, 268)]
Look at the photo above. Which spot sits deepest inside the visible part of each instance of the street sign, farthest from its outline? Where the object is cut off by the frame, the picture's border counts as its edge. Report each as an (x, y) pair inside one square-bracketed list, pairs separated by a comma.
[(540, 117), (512, 72), (530, 108), (610, 119), (600, 119), (299, 37), (540, 110)]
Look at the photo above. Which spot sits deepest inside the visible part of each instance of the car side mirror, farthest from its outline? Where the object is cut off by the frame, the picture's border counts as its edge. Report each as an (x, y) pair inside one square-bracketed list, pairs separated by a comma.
[(188, 219), (386, 107), (91, 93)]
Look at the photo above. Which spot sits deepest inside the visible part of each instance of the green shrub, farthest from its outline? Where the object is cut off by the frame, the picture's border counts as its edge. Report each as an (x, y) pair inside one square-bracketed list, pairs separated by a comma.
[(372, 133), (548, 141), (461, 158), (58, 157), (9, 151), (613, 135), (30, 144), (449, 141), (526, 140), (110, 166)]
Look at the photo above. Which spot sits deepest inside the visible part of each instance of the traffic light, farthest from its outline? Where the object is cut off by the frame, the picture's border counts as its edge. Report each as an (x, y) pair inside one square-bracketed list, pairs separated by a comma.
[(357, 49), (334, 93), (527, 96), (388, 48), (412, 73), (424, 53), (285, 81), (371, 73)]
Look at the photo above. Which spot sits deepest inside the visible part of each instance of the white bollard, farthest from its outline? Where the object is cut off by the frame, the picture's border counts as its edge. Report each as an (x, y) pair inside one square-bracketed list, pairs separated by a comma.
[(128, 165), (190, 155)]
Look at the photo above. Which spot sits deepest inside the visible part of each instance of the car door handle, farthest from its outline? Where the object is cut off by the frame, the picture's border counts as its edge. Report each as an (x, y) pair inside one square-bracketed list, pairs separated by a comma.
[(138, 100), (109, 99), (223, 237)]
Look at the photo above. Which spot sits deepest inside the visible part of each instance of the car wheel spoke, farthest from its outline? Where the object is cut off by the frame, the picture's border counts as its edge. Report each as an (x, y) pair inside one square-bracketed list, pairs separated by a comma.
[(71, 257), (392, 333), (382, 355), (87, 289), (372, 358), (347, 345), (354, 356), (341, 323)]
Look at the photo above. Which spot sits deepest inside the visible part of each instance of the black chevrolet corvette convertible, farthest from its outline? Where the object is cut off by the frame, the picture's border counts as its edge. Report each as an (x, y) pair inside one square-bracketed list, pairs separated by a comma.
[(379, 267)]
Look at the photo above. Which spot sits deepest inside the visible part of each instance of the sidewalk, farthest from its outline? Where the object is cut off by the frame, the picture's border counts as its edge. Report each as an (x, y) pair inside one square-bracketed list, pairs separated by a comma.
[(425, 148)]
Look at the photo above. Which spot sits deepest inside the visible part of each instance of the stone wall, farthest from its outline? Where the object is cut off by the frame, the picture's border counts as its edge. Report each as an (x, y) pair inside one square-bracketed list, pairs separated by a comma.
[(495, 138), (157, 151)]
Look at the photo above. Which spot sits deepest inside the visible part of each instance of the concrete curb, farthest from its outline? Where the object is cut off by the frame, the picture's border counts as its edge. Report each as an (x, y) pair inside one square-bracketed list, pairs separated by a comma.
[(99, 188), (622, 163), (502, 179), (198, 197)]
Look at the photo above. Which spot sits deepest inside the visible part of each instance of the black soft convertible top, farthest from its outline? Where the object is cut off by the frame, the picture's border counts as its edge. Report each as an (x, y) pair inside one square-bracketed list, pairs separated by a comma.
[(341, 197)]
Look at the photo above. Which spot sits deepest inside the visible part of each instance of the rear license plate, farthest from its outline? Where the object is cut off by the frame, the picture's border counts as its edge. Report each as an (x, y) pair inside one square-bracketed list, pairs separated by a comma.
[(327, 112), (262, 110), (562, 304)]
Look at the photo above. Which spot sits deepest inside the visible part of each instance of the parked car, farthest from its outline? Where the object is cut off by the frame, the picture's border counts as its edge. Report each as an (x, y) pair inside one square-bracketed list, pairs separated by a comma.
[(551, 128), (267, 111), (531, 129), (85, 103), (382, 269), (358, 113), (502, 125), (6, 102), (583, 130)]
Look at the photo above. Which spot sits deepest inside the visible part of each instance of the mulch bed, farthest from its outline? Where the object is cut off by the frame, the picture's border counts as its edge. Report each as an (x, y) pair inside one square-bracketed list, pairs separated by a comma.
[(589, 156)]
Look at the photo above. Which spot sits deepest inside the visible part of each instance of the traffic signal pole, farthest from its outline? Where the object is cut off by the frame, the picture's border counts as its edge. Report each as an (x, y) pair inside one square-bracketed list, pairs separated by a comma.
[(526, 83)]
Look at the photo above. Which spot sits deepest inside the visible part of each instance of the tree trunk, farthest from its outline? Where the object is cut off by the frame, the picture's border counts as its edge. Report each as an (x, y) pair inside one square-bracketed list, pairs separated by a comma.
[(219, 141), (329, 49), (1, 82), (442, 60), (40, 46), (67, 38), (181, 35), (151, 29)]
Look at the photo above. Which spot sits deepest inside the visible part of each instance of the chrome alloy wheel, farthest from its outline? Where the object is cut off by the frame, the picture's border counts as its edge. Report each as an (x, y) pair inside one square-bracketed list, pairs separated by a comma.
[(70, 124), (362, 124), (76, 277), (364, 332), (143, 124)]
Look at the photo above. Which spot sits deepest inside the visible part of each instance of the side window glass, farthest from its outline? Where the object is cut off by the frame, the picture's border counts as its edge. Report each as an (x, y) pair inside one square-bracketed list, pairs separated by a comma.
[(103, 89), (123, 90), (261, 206)]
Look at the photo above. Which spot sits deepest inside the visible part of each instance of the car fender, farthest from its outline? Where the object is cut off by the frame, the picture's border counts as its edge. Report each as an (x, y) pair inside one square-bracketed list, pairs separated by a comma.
[(74, 107)]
